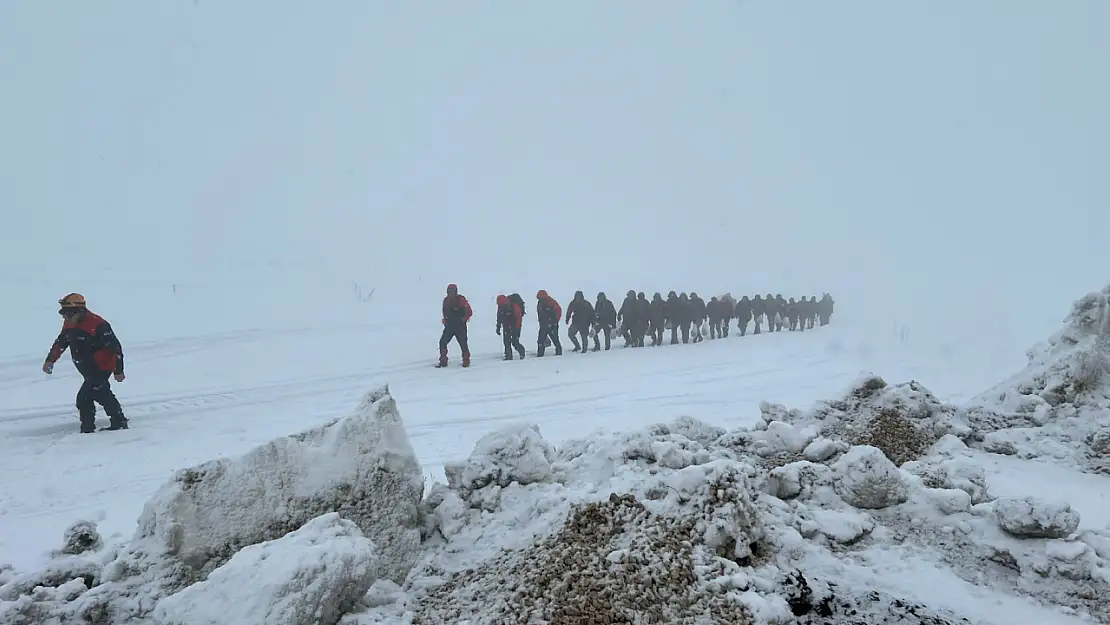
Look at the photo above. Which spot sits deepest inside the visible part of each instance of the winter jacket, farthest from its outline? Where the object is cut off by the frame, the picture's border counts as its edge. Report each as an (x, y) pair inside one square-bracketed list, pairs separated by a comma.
[(548, 310), (697, 309), (456, 311), (759, 306), (92, 344), (657, 310), (629, 309), (743, 310), (509, 314), (606, 313), (580, 313), (643, 309), (676, 311)]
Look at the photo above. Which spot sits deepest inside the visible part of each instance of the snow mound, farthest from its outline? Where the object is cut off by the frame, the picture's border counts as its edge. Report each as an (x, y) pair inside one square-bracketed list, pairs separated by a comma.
[(1033, 518), (1058, 407), (361, 466), (81, 537), (649, 527), (902, 420), (311, 576), (514, 454), (866, 478)]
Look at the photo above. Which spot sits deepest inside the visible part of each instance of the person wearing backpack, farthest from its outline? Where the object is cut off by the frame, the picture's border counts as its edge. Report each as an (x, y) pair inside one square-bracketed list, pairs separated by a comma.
[(509, 320)]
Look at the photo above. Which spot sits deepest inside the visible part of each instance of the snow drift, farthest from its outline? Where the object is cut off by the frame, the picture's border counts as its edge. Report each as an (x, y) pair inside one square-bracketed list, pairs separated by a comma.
[(351, 488), (362, 467), (312, 575), (842, 513)]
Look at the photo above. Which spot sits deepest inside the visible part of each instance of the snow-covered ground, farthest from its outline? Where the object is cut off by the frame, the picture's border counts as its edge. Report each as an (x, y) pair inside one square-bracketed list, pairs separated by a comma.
[(191, 398), (551, 439)]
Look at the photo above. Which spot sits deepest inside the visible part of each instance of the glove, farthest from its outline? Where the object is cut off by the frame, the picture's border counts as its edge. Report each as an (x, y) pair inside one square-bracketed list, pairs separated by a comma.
[(498, 331), (120, 377), (48, 368), (443, 321)]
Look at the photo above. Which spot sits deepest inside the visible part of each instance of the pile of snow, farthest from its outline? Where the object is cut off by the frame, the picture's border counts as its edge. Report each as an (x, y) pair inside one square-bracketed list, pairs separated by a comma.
[(806, 517), (660, 526), (902, 420), (1058, 407), (362, 467), (340, 504), (314, 574)]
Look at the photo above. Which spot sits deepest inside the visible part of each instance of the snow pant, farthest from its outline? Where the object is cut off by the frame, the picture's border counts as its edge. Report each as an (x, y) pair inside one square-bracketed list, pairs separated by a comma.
[(809, 320), (626, 332), (575, 332), (742, 325), (758, 321), (794, 323), (685, 329), (608, 332), (97, 389), (511, 338), (459, 334), (656, 331), (724, 327), (714, 328), (637, 332), (674, 334), (695, 332), (549, 333)]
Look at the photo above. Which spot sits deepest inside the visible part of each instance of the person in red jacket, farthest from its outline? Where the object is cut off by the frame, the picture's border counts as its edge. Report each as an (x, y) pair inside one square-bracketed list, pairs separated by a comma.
[(548, 313), (456, 314), (509, 318), (97, 354)]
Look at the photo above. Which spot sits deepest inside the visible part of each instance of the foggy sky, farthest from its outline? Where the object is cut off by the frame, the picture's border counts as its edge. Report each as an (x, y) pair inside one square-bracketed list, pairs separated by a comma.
[(952, 152)]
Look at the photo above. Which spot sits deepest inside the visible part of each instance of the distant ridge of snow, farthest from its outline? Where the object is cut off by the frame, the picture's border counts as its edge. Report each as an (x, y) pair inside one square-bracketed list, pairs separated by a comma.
[(881, 505)]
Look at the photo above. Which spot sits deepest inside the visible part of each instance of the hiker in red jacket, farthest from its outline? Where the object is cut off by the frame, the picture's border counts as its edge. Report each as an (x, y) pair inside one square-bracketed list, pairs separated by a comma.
[(456, 313), (509, 319), (548, 313), (97, 354)]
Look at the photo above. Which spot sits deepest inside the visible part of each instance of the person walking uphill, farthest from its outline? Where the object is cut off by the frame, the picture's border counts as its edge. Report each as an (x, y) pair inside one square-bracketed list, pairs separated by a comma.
[(456, 314), (98, 356), (548, 313), (509, 317), (580, 316)]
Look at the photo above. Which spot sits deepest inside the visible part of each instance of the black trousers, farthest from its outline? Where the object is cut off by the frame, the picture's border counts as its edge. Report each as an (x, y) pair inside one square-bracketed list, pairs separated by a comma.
[(549, 333), (97, 389), (457, 332), (576, 332), (607, 331), (511, 338)]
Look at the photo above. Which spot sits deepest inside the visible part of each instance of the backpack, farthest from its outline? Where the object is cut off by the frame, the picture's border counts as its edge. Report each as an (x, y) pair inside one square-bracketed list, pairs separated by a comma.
[(519, 301)]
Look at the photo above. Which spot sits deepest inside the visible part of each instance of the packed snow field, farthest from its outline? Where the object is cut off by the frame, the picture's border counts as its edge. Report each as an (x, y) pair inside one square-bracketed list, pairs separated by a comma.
[(910, 495)]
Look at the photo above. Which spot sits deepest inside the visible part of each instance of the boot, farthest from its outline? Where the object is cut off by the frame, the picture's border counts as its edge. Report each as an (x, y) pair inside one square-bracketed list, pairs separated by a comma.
[(118, 422), (442, 357), (520, 350), (466, 359), (88, 423)]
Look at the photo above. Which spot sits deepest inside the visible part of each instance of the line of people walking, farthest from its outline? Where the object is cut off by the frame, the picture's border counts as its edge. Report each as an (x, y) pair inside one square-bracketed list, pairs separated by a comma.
[(687, 317)]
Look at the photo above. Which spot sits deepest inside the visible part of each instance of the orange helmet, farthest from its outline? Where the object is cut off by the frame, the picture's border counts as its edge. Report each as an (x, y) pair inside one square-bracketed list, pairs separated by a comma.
[(502, 300), (73, 300), (541, 294)]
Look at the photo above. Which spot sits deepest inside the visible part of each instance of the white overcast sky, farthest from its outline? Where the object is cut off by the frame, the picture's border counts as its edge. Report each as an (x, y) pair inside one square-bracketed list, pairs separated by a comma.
[(950, 151)]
